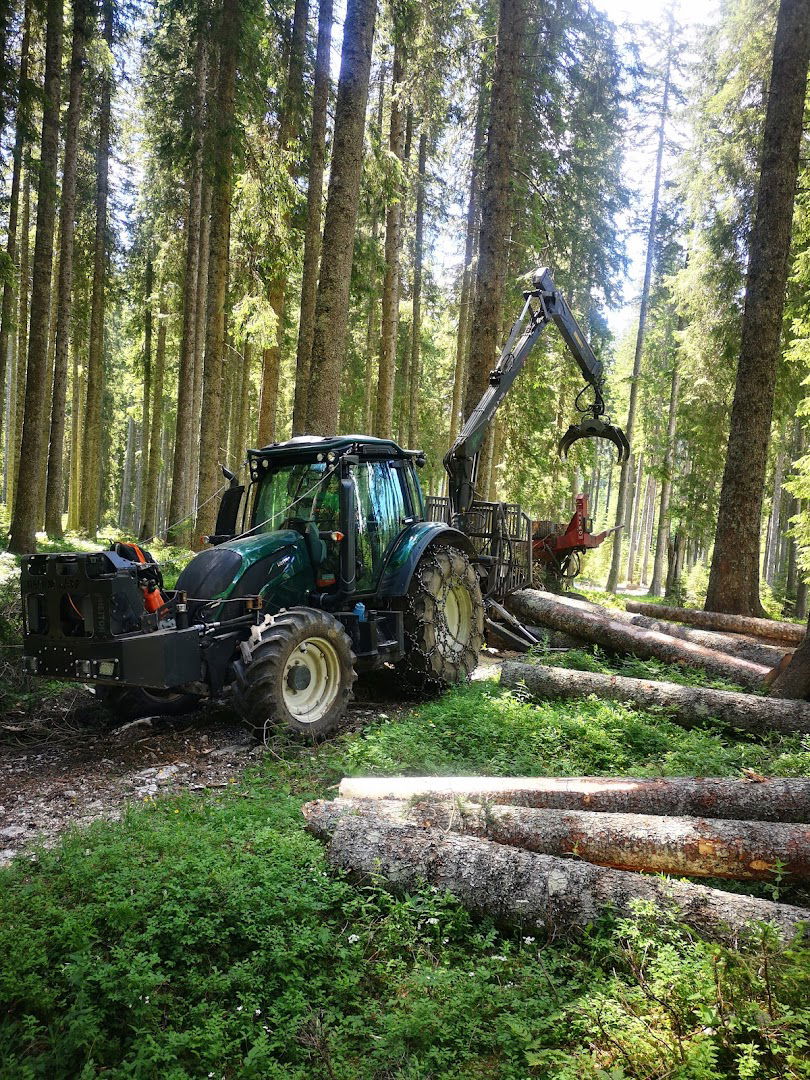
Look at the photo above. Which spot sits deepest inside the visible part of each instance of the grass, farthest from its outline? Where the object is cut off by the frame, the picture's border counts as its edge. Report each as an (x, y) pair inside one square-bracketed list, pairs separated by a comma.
[(206, 936)]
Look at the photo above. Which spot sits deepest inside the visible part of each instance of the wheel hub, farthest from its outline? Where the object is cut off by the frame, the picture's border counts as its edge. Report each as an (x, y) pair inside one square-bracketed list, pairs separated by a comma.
[(298, 677), (311, 679)]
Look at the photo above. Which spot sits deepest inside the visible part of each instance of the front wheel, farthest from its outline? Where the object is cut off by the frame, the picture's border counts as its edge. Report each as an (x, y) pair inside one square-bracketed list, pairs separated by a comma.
[(444, 621), (297, 672)]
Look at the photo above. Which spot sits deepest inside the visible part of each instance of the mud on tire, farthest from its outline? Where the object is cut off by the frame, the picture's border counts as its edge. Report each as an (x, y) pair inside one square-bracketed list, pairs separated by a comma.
[(444, 621), (297, 672)]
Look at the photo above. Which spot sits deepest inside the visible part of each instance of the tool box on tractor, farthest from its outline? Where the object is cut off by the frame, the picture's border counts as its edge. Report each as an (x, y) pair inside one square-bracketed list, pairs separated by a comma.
[(325, 564)]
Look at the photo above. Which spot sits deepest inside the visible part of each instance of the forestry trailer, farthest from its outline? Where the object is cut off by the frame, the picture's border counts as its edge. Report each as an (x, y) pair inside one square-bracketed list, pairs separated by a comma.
[(325, 564)]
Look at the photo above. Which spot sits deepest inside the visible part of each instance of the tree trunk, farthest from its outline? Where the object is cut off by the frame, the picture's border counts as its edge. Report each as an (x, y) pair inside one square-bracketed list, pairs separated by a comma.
[(688, 706), (54, 497), (522, 888), (416, 323), (468, 273), (18, 400), (793, 678), (383, 413), (186, 431), (666, 484), (784, 632), (777, 799), (7, 314), (545, 610), (734, 576), (76, 418), (26, 508), (290, 117), (200, 431), (312, 231), (686, 846), (496, 203), (221, 189), (91, 454), (772, 561), (332, 306), (125, 502), (149, 520), (652, 232), (646, 530), (636, 502)]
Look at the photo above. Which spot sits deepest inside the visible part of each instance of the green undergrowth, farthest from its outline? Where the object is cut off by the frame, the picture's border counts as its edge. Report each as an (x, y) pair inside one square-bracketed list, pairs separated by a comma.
[(205, 936)]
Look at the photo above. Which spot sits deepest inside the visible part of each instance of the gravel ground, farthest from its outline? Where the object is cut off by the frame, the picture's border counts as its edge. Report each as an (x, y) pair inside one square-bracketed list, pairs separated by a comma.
[(73, 765)]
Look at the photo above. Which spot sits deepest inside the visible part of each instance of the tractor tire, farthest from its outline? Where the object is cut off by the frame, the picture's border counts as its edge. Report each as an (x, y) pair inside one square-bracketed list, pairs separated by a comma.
[(133, 702), (297, 672), (444, 622)]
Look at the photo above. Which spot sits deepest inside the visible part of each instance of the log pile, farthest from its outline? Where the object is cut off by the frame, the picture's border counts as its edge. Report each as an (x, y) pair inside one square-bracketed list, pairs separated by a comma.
[(601, 628), (557, 867)]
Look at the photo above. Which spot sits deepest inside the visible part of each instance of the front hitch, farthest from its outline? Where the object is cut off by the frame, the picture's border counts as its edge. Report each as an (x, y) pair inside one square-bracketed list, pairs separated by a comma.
[(595, 428)]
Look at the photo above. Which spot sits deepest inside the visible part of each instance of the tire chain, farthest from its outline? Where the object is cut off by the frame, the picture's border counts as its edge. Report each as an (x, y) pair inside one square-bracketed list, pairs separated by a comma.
[(445, 643)]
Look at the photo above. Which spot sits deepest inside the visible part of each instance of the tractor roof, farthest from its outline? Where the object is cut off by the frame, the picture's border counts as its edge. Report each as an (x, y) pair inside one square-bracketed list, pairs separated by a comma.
[(317, 444)]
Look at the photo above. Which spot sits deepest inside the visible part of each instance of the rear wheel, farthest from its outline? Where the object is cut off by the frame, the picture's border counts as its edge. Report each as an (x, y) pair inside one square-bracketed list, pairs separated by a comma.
[(444, 621), (297, 672)]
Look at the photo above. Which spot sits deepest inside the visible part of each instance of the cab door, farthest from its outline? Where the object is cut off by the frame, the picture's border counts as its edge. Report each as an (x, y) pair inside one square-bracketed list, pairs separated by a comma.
[(382, 514)]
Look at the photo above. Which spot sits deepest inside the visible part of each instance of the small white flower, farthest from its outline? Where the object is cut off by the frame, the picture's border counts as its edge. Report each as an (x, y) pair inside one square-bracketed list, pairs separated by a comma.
[(257, 1013), (146, 999), (528, 941), (433, 922), (353, 939), (238, 1008), (445, 940)]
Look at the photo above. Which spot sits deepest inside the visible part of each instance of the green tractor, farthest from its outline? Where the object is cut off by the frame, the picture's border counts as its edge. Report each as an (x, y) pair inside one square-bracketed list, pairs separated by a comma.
[(326, 564)]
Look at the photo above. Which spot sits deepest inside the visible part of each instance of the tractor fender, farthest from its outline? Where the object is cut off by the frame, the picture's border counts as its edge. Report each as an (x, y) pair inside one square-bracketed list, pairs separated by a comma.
[(408, 550)]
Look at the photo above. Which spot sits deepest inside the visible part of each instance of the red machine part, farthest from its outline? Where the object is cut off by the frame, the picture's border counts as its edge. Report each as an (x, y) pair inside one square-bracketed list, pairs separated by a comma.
[(555, 546)]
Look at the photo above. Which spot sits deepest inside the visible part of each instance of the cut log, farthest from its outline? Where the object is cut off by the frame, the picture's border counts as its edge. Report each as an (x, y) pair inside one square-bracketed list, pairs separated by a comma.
[(777, 799), (542, 608), (687, 705), (686, 846), (524, 889), (745, 647), (740, 645), (783, 632), (734, 644)]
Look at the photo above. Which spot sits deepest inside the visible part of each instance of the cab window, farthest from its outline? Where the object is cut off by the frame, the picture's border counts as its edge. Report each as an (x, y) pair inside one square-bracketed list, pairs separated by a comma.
[(381, 513)]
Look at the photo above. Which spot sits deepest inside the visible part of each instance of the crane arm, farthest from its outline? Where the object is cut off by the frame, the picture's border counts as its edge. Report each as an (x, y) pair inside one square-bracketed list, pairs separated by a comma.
[(543, 303)]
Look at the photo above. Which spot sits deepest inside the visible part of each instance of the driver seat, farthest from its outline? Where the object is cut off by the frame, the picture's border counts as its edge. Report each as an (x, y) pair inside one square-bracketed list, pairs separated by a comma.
[(315, 546)]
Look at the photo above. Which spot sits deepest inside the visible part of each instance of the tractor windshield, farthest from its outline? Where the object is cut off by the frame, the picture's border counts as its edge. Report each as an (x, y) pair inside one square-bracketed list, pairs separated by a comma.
[(303, 491)]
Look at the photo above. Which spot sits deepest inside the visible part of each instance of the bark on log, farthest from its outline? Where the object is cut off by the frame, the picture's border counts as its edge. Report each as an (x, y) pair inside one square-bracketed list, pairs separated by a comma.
[(777, 799), (686, 846), (740, 645), (687, 705), (522, 888), (619, 637), (783, 632)]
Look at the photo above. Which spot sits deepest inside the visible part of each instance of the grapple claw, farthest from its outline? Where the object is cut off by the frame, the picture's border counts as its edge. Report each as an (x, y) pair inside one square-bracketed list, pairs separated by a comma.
[(594, 428)]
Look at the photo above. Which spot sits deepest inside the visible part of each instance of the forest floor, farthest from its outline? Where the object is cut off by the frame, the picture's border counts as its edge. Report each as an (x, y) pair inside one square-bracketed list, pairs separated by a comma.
[(201, 934)]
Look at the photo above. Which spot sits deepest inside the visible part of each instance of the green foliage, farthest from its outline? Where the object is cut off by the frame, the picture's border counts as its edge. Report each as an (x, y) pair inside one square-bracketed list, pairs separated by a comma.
[(206, 935)]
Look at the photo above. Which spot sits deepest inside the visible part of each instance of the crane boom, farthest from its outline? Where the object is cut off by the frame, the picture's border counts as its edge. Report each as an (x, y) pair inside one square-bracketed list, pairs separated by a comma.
[(543, 303)]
